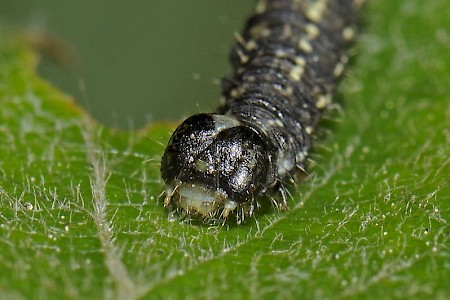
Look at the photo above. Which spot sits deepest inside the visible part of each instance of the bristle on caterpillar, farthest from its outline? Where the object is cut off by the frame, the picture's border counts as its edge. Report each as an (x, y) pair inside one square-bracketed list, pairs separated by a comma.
[(287, 62)]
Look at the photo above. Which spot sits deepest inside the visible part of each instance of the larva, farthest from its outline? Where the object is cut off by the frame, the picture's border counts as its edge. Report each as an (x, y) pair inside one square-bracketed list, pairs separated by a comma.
[(286, 66)]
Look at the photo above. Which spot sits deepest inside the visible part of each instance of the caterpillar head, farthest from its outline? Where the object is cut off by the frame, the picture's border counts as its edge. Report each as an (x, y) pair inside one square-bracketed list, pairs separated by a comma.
[(214, 165)]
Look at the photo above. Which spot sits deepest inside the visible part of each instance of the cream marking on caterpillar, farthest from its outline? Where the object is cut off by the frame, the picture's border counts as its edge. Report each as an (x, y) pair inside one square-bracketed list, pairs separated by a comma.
[(287, 62)]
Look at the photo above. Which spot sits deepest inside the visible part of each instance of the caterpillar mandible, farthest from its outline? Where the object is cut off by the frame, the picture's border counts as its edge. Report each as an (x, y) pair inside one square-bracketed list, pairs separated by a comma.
[(286, 62)]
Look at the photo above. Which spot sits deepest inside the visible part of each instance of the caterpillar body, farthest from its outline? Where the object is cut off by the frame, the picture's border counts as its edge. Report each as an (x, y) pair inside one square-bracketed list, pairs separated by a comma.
[(287, 62)]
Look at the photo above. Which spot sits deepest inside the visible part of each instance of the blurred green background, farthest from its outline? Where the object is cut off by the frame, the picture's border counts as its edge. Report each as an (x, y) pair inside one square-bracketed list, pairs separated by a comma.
[(139, 61)]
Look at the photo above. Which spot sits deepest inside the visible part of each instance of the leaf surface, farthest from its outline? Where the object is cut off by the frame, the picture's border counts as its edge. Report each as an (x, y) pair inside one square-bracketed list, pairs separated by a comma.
[(80, 215)]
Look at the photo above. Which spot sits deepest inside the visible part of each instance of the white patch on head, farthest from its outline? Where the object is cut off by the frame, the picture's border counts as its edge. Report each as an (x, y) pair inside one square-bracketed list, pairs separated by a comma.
[(284, 165), (196, 199), (193, 199), (222, 122)]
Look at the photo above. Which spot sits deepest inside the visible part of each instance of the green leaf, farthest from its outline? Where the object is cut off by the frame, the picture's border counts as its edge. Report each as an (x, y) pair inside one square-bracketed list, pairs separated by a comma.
[(80, 215)]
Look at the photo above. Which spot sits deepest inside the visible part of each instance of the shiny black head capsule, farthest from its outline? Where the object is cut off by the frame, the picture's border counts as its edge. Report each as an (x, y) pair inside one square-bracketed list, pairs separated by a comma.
[(213, 165)]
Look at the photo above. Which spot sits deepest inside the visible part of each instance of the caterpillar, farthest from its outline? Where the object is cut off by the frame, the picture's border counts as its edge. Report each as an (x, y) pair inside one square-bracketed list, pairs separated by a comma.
[(287, 62)]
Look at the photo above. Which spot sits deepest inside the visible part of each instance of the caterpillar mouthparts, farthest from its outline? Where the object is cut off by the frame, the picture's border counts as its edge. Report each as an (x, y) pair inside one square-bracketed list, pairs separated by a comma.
[(287, 63)]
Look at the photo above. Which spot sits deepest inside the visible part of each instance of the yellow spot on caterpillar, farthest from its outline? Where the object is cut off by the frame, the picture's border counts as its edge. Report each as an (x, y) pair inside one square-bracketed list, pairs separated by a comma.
[(287, 91), (237, 92), (338, 70), (250, 45), (348, 33), (312, 31), (261, 6), (305, 45), (323, 101), (315, 10), (296, 73), (259, 31), (299, 60), (280, 53), (234, 93)]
